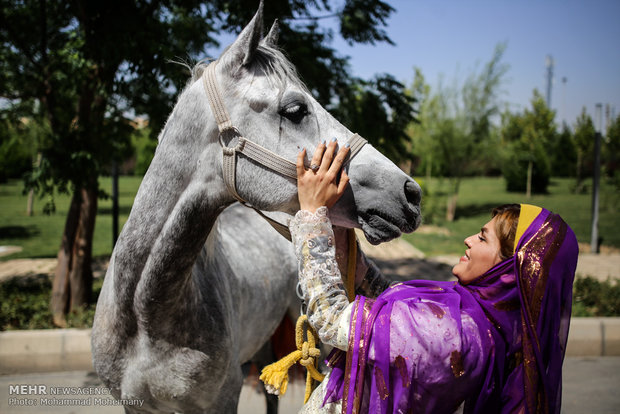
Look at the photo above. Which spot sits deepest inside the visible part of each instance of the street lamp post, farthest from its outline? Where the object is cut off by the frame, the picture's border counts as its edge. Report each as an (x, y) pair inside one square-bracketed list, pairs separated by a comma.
[(598, 125)]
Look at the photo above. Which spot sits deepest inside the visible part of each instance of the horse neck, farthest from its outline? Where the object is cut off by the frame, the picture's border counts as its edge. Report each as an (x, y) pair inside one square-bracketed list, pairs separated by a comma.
[(176, 206)]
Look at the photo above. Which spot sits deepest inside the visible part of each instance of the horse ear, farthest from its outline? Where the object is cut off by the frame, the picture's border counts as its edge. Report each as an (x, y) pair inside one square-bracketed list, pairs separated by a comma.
[(242, 50), (272, 37)]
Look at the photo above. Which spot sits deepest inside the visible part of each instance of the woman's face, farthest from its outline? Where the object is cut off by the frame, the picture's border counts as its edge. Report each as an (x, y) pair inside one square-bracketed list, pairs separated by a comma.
[(482, 254)]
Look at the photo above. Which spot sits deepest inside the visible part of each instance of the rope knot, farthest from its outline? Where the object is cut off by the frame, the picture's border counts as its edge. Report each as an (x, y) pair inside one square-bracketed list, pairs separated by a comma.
[(275, 376), (308, 355)]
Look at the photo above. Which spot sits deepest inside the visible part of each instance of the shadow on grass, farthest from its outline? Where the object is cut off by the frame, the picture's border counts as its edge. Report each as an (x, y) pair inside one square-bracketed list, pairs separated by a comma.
[(19, 232), (474, 210), (410, 269), (107, 211)]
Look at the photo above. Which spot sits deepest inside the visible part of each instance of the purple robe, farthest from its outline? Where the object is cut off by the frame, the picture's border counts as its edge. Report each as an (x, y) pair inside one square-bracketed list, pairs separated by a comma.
[(496, 344)]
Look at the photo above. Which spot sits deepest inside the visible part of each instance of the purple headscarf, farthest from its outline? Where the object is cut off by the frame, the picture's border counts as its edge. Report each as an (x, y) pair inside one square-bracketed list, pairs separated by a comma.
[(496, 344)]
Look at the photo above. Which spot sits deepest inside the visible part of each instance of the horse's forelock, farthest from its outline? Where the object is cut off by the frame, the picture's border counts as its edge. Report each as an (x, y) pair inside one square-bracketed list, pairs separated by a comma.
[(279, 70), (268, 59)]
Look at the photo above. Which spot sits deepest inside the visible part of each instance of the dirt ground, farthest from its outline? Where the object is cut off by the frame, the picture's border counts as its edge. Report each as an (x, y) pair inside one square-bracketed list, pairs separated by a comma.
[(397, 259)]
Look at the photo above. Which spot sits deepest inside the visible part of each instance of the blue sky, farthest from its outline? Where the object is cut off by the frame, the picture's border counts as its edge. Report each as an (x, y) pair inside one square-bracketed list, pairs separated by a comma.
[(451, 38)]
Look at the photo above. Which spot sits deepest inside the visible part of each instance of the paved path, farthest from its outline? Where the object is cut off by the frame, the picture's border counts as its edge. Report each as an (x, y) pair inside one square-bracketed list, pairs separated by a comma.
[(590, 386)]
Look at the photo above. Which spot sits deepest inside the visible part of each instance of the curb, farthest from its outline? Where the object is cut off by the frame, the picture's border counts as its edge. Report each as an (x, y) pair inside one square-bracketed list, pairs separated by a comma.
[(594, 337), (54, 350), (45, 350)]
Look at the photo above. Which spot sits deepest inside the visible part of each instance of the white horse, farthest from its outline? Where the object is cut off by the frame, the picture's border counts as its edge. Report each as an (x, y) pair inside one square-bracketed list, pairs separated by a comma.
[(188, 298)]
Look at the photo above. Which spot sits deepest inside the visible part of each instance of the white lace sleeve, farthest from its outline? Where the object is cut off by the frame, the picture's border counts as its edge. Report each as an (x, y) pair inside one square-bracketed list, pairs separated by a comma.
[(319, 277)]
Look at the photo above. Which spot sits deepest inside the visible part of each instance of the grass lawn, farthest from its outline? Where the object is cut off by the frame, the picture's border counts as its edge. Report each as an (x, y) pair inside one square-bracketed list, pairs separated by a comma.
[(26, 306), (478, 196), (40, 235)]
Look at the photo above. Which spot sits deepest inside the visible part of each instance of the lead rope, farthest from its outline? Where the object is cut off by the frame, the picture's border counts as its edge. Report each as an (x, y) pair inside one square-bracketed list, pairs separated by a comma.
[(351, 265), (307, 353)]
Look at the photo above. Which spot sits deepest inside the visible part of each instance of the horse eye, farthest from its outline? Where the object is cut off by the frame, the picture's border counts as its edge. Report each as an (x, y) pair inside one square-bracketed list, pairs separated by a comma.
[(295, 111)]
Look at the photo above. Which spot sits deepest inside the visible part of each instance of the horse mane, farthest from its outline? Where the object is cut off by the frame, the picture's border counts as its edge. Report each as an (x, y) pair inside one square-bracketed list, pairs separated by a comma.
[(276, 66), (268, 59)]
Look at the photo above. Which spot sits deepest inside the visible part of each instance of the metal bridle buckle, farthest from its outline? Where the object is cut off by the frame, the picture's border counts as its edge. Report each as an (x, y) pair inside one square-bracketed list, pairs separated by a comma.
[(233, 132)]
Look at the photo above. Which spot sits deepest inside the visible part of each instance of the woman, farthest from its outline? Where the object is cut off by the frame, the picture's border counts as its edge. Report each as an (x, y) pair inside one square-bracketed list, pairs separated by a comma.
[(492, 342)]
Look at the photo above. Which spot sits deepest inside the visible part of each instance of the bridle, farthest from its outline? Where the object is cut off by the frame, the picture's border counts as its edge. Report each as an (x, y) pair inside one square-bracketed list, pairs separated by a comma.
[(252, 150)]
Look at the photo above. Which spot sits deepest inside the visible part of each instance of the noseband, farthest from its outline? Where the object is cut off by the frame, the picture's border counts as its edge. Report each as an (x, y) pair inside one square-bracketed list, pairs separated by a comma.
[(250, 149)]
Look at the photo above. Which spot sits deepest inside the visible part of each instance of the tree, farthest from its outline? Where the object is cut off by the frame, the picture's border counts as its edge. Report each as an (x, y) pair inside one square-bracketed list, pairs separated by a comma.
[(611, 149), (528, 138), (17, 142), (610, 156), (584, 141), (564, 153), (458, 122), (423, 146), (86, 65), (380, 110)]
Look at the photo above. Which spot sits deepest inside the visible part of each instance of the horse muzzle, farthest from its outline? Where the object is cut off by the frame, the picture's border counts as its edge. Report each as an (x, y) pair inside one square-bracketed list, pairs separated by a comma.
[(388, 206)]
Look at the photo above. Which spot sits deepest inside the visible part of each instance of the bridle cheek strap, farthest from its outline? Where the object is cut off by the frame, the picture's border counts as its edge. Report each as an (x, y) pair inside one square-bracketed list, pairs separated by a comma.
[(250, 149)]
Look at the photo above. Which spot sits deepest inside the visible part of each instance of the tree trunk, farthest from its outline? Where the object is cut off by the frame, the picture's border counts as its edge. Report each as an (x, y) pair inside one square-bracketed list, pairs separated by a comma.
[(528, 185), (579, 183), (81, 278), (72, 284), (452, 200), (30, 205)]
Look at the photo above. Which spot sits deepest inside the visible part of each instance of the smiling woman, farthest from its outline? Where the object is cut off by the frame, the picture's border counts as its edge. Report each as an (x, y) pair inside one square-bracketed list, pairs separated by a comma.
[(434, 347), (493, 244)]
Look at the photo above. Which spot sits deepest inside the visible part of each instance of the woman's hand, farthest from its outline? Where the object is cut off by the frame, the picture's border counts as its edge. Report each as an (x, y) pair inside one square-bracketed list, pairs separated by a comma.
[(318, 186)]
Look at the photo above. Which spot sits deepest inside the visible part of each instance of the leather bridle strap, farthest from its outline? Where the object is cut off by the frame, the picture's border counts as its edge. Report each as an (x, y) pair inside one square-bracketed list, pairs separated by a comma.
[(250, 149)]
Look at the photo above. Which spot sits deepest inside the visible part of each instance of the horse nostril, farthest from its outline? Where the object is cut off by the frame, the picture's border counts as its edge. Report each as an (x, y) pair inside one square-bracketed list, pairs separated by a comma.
[(413, 192)]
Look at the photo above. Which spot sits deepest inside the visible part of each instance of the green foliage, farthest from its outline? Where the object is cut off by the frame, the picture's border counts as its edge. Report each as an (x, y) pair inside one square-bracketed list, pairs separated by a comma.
[(144, 146), (424, 148), (83, 75), (528, 139), (563, 154), (25, 304), (610, 152), (362, 21), (479, 195), (584, 134), (455, 136), (594, 298), (380, 110), (584, 142), (85, 65), (15, 155), (480, 96), (21, 132), (517, 157), (377, 108)]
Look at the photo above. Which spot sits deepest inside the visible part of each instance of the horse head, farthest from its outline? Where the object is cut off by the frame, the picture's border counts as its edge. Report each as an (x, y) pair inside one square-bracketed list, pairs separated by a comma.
[(266, 103)]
